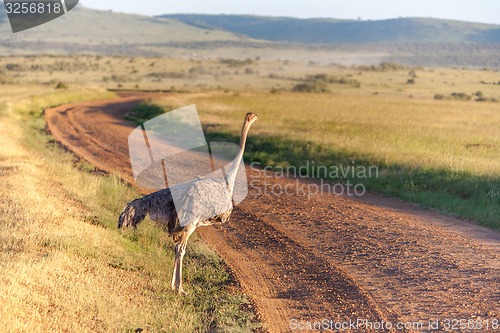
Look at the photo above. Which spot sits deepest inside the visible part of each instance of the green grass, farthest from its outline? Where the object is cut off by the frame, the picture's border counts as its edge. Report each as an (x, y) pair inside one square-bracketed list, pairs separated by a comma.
[(121, 280), (456, 193), (440, 156), (144, 112)]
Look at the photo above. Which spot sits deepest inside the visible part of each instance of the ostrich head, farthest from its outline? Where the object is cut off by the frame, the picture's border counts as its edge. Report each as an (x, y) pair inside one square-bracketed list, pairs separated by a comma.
[(250, 118)]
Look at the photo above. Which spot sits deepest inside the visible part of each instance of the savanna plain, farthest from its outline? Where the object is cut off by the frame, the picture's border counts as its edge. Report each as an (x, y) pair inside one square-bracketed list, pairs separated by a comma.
[(432, 133)]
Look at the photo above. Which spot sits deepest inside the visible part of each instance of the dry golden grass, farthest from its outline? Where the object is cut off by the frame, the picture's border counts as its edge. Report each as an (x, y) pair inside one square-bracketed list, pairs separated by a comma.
[(454, 135), (65, 268), (51, 278), (440, 153), (64, 265)]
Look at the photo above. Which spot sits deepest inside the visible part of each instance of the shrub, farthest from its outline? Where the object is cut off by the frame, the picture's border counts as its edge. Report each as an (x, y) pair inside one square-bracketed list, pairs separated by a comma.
[(382, 67), (460, 96), (144, 112), (479, 94), (325, 78), (61, 85), (119, 78), (163, 75), (453, 96), (236, 62), (14, 67), (199, 70), (316, 86)]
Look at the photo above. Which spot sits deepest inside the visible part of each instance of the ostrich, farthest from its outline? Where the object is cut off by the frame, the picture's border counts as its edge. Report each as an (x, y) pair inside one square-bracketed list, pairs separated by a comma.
[(193, 206)]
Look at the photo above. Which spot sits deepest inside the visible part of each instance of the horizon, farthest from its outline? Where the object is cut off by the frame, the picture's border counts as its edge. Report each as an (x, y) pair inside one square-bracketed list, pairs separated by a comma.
[(300, 18), (127, 7), (481, 11)]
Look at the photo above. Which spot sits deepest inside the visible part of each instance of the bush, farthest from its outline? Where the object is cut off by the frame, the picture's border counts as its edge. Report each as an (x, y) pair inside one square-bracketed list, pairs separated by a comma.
[(236, 62), (310, 87), (460, 96), (144, 112), (325, 78), (382, 67), (481, 98), (199, 70), (61, 85), (119, 78), (164, 75), (14, 67), (455, 96)]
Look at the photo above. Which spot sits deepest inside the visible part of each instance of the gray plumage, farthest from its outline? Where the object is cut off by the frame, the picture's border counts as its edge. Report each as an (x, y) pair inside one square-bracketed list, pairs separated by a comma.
[(194, 206), (199, 203)]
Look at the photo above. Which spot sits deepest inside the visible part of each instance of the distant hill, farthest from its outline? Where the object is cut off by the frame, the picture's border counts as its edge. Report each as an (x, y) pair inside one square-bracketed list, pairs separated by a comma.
[(94, 31), (3, 15), (88, 26), (490, 36), (412, 41), (331, 31)]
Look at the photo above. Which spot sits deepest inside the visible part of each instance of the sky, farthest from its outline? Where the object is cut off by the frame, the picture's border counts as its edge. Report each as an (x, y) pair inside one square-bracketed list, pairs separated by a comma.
[(485, 11)]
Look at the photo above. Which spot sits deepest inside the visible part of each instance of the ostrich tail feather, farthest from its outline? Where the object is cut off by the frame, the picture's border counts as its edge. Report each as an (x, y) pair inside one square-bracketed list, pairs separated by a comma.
[(133, 214)]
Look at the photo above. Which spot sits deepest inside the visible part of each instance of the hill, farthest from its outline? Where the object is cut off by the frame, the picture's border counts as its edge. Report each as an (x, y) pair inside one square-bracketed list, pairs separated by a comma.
[(412, 41), (332, 31), (92, 31)]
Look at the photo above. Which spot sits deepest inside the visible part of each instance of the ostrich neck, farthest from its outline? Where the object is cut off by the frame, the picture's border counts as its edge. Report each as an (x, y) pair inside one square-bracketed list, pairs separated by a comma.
[(233, 171)]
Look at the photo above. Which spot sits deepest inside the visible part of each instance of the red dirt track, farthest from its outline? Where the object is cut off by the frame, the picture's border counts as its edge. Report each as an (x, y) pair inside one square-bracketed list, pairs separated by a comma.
[(324, 257)]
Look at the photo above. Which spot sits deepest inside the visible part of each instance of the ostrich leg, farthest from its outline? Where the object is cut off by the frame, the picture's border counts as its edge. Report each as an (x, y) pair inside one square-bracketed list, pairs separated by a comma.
[(173, 286), (180, 250)]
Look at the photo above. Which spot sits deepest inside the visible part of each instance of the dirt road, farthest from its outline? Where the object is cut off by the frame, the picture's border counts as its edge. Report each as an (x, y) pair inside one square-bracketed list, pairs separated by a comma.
[(327, 257)]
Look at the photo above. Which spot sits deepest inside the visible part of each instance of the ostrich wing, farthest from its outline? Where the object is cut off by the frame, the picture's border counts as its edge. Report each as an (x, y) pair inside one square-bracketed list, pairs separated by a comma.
[(201, 199)]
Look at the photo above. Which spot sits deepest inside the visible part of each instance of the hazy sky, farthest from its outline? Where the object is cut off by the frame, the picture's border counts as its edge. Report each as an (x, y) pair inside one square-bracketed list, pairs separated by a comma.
[(487, 11)]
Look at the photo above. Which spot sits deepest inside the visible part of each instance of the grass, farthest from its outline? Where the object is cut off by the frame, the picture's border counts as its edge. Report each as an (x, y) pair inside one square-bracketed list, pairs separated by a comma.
[(64, 265), (443, 156), (144, 112)]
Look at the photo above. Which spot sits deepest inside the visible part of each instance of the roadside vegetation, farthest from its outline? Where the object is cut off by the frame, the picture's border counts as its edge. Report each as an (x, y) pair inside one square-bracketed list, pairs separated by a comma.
[(65, 266)]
